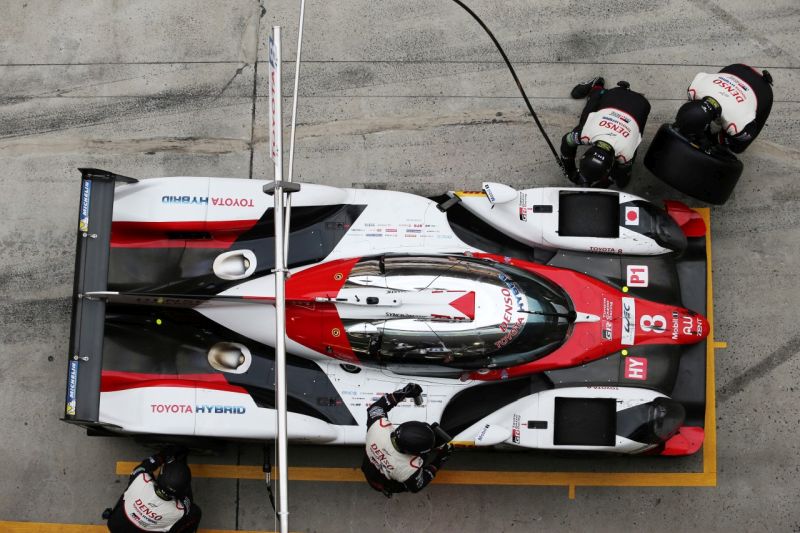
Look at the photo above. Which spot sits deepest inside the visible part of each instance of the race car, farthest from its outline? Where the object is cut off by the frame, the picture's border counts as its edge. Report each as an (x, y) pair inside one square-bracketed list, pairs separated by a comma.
[(546, 318)]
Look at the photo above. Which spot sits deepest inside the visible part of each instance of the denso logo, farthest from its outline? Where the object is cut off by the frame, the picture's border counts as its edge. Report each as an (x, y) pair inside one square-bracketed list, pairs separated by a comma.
[(622, 130), (379, 456), (508, 308), (145, 510), (733, 91), (184, 408)]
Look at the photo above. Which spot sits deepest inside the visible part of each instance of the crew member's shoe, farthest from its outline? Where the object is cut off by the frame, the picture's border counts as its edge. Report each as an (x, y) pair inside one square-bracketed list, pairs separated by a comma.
[(106, 513), (583, 89)]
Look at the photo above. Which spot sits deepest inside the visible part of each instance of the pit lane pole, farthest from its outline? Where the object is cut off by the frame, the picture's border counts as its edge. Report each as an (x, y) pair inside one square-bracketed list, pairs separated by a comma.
[(277, 188), (294, 123)]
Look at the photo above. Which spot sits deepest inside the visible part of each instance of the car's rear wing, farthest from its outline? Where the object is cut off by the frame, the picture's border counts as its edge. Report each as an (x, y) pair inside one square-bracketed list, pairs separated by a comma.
[(85, 358)]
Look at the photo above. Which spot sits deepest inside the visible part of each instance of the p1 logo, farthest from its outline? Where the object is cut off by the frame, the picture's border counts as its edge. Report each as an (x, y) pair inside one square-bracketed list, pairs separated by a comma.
[(637, 276)]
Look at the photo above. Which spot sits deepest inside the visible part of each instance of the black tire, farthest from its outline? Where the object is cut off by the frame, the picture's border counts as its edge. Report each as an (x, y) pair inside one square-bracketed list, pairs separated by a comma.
[(709, 176)]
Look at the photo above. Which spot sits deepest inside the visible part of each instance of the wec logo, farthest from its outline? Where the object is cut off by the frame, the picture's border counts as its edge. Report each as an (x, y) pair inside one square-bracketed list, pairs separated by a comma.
[(628, 320)]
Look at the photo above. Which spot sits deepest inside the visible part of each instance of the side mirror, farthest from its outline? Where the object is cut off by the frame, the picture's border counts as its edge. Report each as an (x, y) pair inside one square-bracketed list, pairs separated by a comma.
[(497, 193), (491, 435)]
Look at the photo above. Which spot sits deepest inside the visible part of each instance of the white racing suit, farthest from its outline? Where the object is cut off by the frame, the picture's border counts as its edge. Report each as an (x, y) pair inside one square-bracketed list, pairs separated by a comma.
[(745, 97), (386, 469), (616, 116), (140, 509)]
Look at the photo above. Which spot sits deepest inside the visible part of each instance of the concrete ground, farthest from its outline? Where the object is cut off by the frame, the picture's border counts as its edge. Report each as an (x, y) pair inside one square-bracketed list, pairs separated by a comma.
[(408, 95)]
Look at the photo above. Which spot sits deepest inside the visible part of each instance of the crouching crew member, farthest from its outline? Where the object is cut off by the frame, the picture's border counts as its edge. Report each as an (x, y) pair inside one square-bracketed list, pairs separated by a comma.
[(737, 99), (401, 458), (157, 503), (611, 124)]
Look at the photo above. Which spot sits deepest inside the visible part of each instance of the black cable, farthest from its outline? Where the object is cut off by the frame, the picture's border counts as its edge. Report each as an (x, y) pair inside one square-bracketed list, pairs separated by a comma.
[(516, 80), (267, 469)]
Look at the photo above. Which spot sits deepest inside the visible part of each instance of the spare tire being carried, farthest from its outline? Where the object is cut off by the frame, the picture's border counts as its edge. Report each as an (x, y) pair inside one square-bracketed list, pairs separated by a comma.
[(709, 175)]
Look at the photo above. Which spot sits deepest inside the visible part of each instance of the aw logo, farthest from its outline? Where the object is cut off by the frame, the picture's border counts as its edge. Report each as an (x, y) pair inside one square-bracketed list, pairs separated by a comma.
[(636, 368)]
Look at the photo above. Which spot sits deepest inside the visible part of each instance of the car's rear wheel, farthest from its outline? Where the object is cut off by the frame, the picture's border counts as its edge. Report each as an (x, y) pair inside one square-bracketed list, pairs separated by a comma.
[(709, 175)]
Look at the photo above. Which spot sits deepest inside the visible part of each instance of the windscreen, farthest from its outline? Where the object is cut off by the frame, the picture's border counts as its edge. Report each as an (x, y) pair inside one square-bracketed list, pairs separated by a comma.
[(518, 316)]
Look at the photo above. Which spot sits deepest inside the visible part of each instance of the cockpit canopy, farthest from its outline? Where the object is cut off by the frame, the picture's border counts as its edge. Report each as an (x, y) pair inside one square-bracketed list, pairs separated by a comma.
[(499, 316)]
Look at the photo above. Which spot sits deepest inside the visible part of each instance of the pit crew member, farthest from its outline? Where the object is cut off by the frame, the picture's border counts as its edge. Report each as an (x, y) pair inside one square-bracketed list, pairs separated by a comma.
[(157, 503), (737, 100), (400, 458), (611, 124)]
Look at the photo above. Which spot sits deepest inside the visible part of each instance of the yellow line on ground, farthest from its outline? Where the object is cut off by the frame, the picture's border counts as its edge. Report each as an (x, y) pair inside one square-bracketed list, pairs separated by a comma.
[(710, 442), (460, 477), (720, 344), (54, 527)]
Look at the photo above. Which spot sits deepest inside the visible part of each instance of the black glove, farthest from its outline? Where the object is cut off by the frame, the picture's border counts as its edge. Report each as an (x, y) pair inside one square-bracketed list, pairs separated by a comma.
[(442, 454), (412, 390), (174, 453)]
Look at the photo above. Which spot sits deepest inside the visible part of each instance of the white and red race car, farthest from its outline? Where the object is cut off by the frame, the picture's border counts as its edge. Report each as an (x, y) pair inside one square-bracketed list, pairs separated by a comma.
[(547, 318)]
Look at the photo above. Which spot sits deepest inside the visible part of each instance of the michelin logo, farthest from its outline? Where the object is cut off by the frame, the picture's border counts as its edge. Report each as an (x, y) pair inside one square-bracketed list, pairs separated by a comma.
[(86, 194), (72, 388)]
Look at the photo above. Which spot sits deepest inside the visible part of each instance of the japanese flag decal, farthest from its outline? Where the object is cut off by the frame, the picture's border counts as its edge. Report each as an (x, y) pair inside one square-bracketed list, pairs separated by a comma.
[(631, 216)]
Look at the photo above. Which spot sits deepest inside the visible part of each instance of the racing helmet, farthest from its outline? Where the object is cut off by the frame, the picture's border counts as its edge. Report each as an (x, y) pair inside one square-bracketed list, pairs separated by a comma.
[(173, 481), (413, 438), (695, 116), (596, 162)]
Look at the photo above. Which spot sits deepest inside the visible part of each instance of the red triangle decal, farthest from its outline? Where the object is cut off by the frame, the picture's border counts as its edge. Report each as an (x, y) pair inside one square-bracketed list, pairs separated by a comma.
[(465, 304)]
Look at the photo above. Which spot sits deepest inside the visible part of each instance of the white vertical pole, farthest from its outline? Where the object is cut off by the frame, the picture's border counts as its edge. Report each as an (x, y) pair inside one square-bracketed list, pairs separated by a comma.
[(294, 120), (276, 153)]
